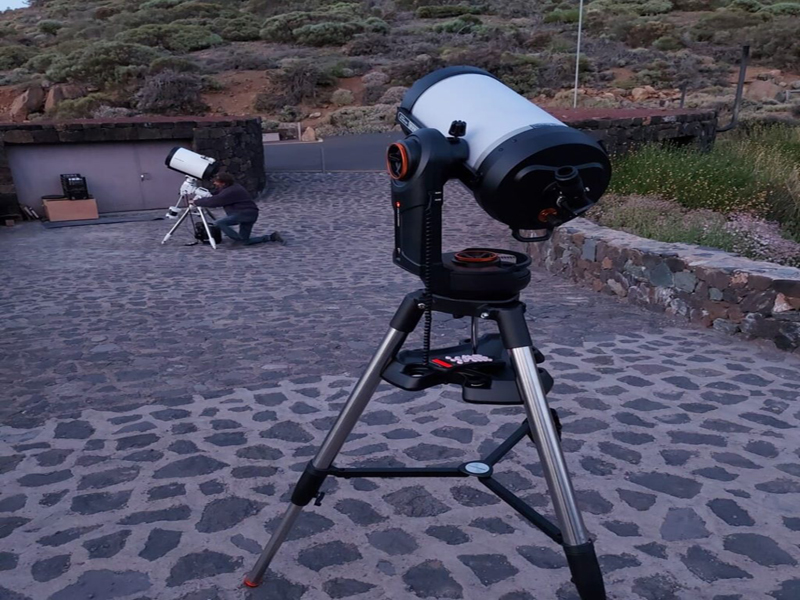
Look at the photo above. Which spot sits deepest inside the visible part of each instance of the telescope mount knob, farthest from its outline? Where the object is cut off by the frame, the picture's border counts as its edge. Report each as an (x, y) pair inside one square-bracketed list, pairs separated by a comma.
[(457, 129)]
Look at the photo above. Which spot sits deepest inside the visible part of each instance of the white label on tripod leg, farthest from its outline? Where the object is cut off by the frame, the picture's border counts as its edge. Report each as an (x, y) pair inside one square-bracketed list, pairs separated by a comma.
[(477, 468)]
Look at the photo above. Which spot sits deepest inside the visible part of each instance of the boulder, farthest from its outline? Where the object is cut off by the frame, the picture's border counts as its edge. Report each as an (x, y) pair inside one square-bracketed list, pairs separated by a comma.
[(762, 90), (29, 101), (309, 135), (62, 91)]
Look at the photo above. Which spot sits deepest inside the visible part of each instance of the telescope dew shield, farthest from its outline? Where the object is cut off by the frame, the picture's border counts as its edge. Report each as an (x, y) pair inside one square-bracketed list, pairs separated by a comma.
[(515, 148), (192, 164)]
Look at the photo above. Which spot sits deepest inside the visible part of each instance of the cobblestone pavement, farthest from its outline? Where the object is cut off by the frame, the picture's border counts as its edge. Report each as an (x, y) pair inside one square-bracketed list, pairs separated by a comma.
[(159, 402)]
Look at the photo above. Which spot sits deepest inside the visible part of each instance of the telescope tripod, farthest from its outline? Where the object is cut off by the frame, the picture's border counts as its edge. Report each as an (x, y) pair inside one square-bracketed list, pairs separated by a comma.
[(190, 211), (507, 373)]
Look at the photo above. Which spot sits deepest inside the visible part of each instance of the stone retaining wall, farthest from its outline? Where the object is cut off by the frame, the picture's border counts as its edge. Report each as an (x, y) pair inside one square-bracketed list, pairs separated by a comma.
[(706, 286), (624, 129), (236, 142)]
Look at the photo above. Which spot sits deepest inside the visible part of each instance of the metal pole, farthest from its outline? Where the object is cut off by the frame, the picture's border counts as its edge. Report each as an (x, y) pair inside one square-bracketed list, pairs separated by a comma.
[(578, 56), (739, 90)]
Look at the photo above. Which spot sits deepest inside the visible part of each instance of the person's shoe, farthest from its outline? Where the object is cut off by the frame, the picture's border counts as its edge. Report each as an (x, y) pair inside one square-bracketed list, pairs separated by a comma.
[(276, 237)]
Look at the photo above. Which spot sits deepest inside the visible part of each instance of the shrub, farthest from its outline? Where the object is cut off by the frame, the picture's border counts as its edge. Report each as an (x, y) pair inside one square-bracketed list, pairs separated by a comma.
[(50, 26), (655, 7), (298, 82), (327, 34), (393, 96), (784, 9), (750, 6), (375, 78), (569, 15), (361, 119), (376, 25), (462, 25), (279, 28), (725, 26), (15, 56), (342, 97), (80, 108), (105, 12), (667, 43), (641, 33), (171, 93), (242, 29), (177, 38), (172, 63), (407, 72), (41, 62), (777, 42), (443, 12), (367, 44), (113, 112), (103, 64), (372, 94)]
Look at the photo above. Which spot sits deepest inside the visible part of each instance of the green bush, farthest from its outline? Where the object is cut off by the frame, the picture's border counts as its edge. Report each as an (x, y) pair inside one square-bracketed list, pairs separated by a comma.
[(177, 38), (667, 43), (443, 12), (655, 7), (750, 6), (41, 62), (80, 108), (327, 34), (569, 15), (12, 57), (752, 170), (462, 25), (641, 33), (50, 26), (778, 43), (103, 64), (784, 9), (161, 3), (279, 28), (241, 29), (376, 25)]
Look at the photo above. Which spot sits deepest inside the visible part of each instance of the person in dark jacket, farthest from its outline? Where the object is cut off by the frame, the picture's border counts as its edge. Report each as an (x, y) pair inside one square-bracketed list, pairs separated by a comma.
[(239, 208)]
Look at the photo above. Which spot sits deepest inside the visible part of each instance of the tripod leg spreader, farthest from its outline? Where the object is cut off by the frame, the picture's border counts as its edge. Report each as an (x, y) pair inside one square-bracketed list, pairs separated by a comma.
[(570, 532)]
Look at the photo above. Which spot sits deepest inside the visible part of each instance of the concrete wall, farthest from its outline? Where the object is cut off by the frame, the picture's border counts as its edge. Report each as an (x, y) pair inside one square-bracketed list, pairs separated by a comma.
[(235, 142)]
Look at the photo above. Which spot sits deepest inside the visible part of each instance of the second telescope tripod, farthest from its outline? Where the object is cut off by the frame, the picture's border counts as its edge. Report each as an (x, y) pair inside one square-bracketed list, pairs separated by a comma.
[(510, 375)]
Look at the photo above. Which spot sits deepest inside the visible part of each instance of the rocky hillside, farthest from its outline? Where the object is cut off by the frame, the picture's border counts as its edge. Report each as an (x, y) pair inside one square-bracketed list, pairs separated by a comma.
[(341, 66)]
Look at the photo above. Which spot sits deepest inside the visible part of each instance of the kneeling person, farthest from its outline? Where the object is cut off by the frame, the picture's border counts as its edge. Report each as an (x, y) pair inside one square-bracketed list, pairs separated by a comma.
[(239, 208)]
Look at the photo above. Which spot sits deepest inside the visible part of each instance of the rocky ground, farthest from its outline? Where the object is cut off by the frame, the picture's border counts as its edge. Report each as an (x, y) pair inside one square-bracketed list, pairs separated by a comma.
[(160, 401)]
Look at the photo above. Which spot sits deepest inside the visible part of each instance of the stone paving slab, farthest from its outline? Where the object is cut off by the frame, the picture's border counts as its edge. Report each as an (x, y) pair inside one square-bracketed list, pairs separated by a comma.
[(161, 402)]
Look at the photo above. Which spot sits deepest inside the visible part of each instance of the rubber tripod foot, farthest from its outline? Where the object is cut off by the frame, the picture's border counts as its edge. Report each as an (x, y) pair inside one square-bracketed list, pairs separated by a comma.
[(251, 584), (585, 570)]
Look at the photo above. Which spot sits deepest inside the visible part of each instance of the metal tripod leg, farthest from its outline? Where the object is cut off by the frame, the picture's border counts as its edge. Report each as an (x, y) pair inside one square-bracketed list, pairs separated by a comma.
[(180, 220), (404, 322), (578, 546), (208, 229)]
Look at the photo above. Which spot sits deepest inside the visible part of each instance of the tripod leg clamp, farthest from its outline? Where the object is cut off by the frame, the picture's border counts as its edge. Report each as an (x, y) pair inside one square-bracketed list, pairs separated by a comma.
[(308, 486)]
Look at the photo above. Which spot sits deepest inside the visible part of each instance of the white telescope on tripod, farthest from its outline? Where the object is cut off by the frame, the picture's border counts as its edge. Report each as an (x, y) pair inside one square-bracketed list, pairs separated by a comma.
[(197, 168)]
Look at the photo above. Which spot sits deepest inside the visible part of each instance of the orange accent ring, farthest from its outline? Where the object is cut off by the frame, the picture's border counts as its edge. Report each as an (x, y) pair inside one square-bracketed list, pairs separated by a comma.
[(547, 212), (250, 584), (405, 163), (476, 256)]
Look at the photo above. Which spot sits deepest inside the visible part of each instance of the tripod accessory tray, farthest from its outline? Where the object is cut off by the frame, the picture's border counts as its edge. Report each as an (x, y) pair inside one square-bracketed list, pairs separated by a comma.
[(481, 382)]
